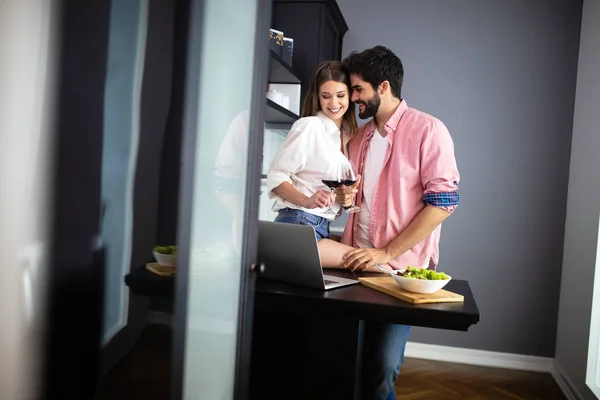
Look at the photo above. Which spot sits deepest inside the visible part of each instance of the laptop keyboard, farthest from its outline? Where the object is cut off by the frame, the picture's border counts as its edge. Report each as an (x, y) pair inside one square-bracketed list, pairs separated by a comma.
[(328, 282)]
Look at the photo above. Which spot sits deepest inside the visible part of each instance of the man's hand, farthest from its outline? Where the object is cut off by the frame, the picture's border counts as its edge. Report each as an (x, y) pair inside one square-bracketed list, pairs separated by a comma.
[(344, 194), (320, 199), (362, 259)]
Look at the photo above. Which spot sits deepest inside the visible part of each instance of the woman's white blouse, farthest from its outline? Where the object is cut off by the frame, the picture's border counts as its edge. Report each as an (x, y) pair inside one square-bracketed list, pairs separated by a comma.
[(311, 144)]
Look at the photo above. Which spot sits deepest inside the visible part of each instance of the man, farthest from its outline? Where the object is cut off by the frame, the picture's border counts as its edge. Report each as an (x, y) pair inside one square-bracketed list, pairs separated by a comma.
[(408, 186)]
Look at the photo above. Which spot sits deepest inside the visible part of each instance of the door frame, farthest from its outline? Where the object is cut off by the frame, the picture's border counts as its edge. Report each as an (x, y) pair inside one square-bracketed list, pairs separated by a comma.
[(252, 196), (75, 272), (252, 199)]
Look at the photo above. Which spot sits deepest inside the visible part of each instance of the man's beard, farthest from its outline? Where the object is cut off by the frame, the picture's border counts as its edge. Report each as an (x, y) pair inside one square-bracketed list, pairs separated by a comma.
[(371, 106)]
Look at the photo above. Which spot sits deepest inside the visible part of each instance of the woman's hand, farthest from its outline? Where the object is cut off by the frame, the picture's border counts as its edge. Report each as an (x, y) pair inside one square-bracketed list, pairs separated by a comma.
[(320, 199)]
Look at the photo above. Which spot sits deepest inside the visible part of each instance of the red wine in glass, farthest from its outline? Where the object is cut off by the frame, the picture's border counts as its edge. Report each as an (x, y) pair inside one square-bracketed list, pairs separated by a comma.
[(332, 178), (350, 177), (332, 184)]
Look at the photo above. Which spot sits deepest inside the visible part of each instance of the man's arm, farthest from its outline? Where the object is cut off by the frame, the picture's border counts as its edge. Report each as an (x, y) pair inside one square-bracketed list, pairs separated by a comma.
[(418, 230)]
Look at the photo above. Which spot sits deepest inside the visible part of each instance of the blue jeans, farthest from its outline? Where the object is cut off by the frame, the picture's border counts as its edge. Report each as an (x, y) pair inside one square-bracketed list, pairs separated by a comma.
[(383, 354), (299, 217)]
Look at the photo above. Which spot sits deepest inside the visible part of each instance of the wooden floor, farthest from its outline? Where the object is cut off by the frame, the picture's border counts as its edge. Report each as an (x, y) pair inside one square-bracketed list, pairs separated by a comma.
[(145, 374), (434, 380)]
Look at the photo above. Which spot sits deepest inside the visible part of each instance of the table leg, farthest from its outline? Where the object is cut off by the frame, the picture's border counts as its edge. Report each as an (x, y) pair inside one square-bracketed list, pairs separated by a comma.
[(302, 357)]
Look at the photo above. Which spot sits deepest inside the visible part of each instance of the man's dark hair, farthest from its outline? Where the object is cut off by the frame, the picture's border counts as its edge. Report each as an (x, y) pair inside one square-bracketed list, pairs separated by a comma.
[(376, 65)]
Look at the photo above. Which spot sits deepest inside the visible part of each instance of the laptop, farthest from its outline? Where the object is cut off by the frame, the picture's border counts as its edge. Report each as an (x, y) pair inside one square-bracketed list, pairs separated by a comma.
[(290, 254)]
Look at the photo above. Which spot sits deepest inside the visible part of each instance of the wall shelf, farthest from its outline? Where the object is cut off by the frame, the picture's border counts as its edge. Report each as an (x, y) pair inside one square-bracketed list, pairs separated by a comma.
[(277, 114), (280, 71)]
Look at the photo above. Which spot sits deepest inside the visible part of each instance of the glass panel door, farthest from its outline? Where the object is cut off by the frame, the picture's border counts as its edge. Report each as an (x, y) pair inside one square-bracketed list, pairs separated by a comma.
[(122, 98), (222, 146), (592, 378)]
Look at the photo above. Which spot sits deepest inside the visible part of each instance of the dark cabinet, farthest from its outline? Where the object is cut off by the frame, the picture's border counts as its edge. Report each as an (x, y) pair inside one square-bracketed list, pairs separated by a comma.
[(317, 27), (331, 34)]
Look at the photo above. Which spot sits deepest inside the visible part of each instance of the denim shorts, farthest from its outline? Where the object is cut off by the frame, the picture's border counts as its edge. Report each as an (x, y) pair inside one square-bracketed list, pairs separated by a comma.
[(299, 217)]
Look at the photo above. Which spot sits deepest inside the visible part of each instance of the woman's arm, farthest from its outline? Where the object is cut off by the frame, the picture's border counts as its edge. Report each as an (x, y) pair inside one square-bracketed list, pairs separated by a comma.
[(289, 160), (288, 192)]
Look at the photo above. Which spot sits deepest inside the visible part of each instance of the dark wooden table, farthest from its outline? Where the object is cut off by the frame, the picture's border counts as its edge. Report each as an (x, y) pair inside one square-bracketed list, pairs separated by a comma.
[(142, 282), (308, 343)]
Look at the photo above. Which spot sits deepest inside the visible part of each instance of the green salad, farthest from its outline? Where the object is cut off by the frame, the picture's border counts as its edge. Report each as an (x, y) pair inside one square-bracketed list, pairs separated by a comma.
[(424, 274), (171, 250)]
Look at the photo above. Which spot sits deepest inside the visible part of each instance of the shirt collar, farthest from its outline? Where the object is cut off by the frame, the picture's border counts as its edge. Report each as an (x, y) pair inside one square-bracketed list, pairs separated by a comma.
[(392, 124), (330, 126)]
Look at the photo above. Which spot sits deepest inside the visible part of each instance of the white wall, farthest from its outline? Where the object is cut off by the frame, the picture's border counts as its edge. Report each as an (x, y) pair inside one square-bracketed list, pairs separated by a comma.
[(27, 81), (583, 207)]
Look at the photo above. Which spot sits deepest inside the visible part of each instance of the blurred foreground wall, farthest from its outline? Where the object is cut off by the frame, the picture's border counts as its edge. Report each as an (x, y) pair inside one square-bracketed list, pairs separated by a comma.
[(27, 56)]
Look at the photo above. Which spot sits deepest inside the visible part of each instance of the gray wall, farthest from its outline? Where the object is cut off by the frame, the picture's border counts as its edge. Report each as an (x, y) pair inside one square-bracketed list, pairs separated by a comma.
[(501, 75), (156, 95), (581, 230)]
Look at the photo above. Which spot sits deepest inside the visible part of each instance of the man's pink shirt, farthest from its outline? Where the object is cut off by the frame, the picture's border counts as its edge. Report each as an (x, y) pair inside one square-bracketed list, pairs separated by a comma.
[(419, 160)]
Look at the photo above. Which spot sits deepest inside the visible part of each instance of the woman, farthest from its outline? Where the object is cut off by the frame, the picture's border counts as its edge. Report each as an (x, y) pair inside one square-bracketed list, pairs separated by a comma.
[(316, 141)]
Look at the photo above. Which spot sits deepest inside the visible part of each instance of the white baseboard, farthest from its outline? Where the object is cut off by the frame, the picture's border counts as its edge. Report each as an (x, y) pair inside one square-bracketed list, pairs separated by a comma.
[(564, 383), (479, 357)]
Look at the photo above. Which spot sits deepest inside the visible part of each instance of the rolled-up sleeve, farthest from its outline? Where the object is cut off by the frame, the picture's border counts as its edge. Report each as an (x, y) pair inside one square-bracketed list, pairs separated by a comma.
[(439, 172), (290, 158)]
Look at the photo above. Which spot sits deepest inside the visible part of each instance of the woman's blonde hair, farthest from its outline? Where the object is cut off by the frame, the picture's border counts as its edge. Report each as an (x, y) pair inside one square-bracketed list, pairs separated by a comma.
[(329, 71)]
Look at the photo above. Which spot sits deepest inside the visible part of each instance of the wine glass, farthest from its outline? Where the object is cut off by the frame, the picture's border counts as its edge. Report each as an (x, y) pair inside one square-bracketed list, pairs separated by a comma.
[(332, 178), (350, 176)]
